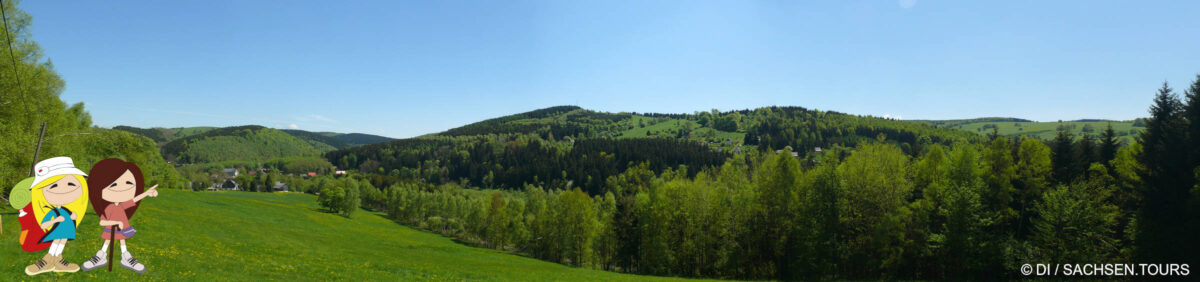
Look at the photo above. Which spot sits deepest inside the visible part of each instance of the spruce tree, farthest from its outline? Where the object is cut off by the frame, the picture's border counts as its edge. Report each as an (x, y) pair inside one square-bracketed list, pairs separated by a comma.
[(1191, 116), (1191, 113), (1167, 181), (1108, 146), (1087, 153), (1064, 156)]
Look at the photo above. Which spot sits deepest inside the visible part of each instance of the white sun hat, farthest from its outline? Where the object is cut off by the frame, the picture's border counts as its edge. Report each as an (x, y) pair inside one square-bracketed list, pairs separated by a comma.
[(54, 167)]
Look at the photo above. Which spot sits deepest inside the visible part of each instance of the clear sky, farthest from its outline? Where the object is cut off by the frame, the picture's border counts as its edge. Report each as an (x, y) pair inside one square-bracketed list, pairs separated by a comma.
[(407, 68)]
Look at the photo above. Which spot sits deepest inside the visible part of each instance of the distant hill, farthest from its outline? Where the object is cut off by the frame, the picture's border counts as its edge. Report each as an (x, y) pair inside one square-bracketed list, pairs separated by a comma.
[(356, 139), (544, 121), (952, 122), (338, 140), (317, 139), (164, 135), (198, 138), (570, 146), (1126, 130), (245, 143)]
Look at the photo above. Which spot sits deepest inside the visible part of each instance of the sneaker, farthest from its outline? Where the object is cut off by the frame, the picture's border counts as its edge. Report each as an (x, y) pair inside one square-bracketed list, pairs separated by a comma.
[(96, 262), (40, 266), (62, 265), (131, 263)]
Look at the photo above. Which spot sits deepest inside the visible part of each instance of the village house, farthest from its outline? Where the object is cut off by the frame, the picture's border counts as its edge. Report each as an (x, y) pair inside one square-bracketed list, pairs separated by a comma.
[(227, 185), (279, 187)]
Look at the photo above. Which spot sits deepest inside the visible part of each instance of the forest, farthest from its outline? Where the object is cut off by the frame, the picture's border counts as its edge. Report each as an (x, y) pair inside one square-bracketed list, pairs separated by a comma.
[(498, 161), (976, 208), (563, 145)]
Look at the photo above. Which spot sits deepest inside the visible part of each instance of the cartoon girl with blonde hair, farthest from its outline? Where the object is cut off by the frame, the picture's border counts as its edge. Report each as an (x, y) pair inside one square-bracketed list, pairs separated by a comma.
[(58, 198)]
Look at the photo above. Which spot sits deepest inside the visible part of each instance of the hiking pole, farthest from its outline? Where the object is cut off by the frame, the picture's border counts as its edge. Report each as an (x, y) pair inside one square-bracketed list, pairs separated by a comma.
[(112, 245)]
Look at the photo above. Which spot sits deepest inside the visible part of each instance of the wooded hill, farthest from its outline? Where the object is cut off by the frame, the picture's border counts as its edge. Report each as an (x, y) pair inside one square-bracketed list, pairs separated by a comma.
[(245, 143), (567, 146)]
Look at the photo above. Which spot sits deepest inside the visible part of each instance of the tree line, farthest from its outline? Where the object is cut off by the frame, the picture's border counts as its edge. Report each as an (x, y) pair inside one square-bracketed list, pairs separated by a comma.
[(774, 128), (513, 160)]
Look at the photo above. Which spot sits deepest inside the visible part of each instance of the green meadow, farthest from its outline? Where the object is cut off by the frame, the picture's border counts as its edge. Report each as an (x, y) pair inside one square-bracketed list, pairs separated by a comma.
[(1124, 130), (667, 127), (262, 236)]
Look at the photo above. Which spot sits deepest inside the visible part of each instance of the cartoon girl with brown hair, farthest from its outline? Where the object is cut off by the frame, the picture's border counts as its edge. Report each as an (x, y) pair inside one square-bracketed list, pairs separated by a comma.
[(119, 188)]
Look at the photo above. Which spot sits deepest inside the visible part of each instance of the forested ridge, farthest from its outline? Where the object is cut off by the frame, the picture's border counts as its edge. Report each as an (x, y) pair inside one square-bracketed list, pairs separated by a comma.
[(250, 143), (570, 145)]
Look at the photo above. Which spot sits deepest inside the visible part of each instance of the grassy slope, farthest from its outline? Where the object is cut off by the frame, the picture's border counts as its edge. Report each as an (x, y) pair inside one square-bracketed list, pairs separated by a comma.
[(698, 133), (189, 131), (1047, 130), (259, 236)]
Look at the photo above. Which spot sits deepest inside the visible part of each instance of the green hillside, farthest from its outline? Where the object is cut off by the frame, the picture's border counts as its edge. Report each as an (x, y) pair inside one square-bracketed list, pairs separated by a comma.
[(1125, 130), (356, 139), (317, 139), (282, 237), (163, 135), (642, 126), (557, 121), (323, 140), (245, 143)]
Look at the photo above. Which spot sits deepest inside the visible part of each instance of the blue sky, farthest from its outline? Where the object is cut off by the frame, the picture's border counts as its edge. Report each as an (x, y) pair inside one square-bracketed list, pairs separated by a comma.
[(403, 69)]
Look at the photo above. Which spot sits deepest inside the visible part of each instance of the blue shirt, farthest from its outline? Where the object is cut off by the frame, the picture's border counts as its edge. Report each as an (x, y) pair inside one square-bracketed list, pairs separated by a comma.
[(64, 230)]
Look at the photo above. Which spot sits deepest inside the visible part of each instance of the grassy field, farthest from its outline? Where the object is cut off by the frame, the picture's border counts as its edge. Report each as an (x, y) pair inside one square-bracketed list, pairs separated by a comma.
[(1047, 130), (259, 236), (698, 133)]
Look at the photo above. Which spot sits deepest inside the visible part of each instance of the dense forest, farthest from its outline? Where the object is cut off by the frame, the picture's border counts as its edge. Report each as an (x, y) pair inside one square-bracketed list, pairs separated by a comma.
[(356, 139), (516, 160), (800, 128), (567, 146)]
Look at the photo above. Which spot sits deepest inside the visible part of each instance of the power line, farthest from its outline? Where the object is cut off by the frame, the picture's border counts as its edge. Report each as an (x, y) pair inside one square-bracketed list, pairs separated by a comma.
[(11, 56)]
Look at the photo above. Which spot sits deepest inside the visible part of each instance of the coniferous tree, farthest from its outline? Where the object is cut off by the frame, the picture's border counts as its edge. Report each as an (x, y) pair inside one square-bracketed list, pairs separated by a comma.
[(1167, 180), (1191, 114), (1064, 156), (1108, 147), (1087, 153)]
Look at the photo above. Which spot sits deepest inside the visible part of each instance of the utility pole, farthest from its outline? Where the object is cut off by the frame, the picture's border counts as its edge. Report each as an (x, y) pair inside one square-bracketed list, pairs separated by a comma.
[(37, 151)]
